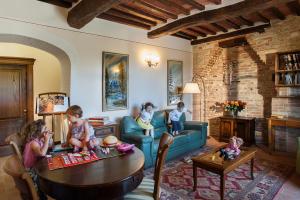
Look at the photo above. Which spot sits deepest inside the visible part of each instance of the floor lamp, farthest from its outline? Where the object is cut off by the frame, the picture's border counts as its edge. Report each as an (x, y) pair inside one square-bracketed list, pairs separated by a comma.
[(193, 88)]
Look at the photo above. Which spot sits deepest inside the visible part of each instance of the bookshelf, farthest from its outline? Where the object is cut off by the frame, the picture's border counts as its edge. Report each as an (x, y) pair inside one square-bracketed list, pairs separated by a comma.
[(287, 69)]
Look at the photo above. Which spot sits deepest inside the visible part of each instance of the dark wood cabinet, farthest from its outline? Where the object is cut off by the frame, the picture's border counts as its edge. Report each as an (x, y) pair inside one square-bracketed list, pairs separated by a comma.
[(105, 130), (243, 127)]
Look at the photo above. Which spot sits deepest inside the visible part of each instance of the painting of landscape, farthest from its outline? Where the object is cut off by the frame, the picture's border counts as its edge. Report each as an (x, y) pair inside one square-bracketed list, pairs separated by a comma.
[(115, 81)]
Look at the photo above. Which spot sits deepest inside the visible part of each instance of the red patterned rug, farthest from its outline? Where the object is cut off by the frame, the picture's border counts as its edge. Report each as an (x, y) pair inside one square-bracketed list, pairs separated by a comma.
[(177, 182)]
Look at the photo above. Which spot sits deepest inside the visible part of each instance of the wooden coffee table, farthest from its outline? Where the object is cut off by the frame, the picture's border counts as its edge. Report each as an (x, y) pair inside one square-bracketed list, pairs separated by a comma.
[(212, 162)]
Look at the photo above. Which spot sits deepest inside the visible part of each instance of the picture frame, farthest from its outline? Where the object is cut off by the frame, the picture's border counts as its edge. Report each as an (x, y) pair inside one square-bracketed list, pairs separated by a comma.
[(174, 81), (115, 79), (52, 103)]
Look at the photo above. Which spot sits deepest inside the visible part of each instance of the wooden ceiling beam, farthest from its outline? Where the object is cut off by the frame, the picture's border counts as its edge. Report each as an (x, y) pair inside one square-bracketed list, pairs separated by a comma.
[(259, 29), (86, 10), (190, 32), (181, 36), (207, 30), (232, 24), (217, 2), (190, 37), (245, 21), (174, 6), (219, 27), (124, 21), (197, 31), (262, 18), (119, 13), (242, 8), (167, 6), (156, 9), (195, 4), (294, 7), (276, 12), (140, 13), (60, 3)]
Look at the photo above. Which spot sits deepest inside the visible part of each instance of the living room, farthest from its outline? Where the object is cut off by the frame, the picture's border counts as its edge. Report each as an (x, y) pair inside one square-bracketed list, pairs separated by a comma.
[(209, 54)]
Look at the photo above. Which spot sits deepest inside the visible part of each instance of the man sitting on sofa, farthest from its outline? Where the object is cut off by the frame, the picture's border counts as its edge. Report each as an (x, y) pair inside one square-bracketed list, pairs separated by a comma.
[(191, 137)]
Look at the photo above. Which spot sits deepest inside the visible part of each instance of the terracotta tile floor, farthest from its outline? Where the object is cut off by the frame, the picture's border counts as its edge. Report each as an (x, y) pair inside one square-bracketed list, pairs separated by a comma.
[(289, 191)]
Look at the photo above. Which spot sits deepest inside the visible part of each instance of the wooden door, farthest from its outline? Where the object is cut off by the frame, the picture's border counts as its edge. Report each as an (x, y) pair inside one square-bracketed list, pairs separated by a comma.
[(16, 94), (13, 99)]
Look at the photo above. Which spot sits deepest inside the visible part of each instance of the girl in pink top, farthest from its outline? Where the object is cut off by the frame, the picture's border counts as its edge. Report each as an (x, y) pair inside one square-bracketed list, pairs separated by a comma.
[(37, 137)]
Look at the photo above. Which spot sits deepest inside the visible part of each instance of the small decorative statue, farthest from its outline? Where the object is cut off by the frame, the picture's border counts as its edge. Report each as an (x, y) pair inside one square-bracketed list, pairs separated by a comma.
[(233, 148)]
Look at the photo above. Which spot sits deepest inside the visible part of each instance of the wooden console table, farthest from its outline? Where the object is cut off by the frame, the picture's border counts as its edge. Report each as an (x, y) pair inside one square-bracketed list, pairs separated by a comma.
[(285, 122), (243, 127)]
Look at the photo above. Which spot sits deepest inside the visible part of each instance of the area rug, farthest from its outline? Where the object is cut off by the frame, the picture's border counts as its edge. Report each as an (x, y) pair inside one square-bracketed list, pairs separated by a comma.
[(177, 181)]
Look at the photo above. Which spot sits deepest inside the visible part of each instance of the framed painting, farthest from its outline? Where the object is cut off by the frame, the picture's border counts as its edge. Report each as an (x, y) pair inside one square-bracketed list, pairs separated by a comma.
[(175, 81), (51, 103), (114, 81)]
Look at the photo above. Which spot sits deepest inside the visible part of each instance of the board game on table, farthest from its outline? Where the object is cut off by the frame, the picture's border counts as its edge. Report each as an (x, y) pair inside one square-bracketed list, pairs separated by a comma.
[(65, 159)]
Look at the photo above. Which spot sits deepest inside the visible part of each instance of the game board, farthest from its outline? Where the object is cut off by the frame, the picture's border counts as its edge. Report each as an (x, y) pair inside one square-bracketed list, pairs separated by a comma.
[(71, 159), (63, 160)]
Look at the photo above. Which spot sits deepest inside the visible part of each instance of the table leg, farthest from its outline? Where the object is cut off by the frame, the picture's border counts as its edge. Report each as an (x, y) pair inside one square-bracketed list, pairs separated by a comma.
[(252, 166), (222, 186), (195, 177)]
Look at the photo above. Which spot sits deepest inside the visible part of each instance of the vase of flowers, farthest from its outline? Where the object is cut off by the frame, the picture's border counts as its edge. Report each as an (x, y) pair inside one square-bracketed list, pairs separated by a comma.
[(234, 107)]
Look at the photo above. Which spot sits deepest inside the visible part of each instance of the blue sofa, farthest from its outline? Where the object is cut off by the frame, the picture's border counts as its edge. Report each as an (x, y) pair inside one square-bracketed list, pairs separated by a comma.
[(192, 137)]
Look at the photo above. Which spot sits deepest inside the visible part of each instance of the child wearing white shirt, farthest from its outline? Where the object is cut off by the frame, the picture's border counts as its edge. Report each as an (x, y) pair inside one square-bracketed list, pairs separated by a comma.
[(145, 118), (175, 115)]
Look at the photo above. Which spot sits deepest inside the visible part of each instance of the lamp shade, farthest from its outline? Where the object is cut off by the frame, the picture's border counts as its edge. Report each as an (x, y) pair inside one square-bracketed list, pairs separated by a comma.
[(191, 88)]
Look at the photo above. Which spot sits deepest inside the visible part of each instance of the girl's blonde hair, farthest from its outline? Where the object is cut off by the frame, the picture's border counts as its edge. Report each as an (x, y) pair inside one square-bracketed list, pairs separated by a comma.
[(75, 110), (33, 130)]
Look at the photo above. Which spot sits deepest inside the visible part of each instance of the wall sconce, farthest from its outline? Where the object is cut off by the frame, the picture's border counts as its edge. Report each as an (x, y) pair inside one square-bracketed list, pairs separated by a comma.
[(152, 60)]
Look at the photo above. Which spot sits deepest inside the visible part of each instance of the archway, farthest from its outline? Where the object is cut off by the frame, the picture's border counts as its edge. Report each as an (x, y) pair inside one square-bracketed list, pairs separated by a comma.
[(13, 43)]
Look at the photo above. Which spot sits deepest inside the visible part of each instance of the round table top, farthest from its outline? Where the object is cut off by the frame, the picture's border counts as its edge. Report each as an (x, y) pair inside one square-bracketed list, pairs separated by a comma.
[(98, 173)]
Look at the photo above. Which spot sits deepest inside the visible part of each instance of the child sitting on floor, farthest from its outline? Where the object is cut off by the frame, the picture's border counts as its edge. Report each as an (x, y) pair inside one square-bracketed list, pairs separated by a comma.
[(175, 115), (81, 134), (145, 118)]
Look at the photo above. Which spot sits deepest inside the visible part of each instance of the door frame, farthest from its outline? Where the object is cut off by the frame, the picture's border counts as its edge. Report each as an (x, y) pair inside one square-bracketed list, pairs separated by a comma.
[(28, 62)]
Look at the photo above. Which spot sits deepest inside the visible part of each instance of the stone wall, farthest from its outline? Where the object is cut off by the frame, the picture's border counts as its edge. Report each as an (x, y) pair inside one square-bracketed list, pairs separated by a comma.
[(246, 73)]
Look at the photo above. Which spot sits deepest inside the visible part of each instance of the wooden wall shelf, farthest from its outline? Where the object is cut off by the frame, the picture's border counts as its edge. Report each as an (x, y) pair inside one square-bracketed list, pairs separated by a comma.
[(287, 69)]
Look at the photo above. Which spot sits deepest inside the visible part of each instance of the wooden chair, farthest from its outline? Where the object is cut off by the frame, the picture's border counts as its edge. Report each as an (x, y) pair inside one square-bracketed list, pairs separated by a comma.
[(22, 179), (16, 141), (150, 189)]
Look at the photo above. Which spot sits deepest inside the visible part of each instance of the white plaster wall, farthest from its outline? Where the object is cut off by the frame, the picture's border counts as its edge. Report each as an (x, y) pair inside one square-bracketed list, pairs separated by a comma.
[(44, 22), (46, 69)]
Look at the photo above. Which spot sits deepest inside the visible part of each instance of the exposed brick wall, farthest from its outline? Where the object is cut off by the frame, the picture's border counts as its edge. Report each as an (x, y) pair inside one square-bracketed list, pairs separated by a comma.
[(245, 73)]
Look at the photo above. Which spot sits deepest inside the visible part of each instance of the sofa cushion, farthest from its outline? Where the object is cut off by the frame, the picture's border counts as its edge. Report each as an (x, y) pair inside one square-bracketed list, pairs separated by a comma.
[(129, 125)]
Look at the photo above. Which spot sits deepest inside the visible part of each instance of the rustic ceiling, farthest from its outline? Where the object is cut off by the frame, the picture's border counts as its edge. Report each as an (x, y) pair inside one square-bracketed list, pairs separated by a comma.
[(188, 19)]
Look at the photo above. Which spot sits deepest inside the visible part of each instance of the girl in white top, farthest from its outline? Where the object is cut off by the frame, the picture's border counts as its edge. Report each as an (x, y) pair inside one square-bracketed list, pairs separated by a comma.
[(175, 115), (145, 118)]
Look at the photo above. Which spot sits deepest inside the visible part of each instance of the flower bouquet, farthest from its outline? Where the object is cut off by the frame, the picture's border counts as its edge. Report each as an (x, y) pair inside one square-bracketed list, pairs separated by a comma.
[(234, 106)]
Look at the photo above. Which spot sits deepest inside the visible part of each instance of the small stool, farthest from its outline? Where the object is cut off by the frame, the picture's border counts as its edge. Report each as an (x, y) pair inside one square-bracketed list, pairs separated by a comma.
[(298, 158)]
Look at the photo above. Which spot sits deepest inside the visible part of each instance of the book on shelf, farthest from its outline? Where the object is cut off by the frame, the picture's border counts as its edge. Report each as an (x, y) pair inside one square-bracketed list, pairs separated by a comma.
[(99, 121)]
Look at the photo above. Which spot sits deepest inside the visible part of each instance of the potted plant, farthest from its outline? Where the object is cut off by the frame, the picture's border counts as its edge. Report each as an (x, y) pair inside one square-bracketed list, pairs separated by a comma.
[(234, 107)]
